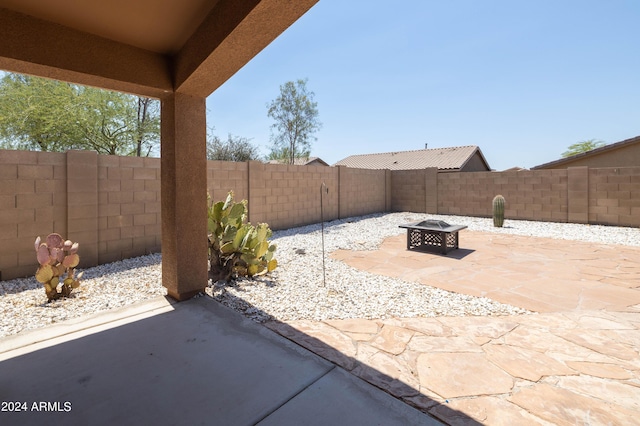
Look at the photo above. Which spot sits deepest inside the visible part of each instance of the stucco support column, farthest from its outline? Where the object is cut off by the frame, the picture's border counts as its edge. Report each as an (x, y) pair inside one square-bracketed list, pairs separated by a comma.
[(184, 195)]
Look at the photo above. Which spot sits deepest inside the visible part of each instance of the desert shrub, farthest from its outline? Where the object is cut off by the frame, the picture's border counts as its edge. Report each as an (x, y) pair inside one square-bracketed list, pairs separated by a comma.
[(58, 259), (237, 248)]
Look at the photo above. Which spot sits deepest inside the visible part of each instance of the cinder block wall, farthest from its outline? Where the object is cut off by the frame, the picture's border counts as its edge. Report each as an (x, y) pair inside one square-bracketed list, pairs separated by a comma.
[(614, 196), (33, 201), (362, 191), (286, 196), (128, 207), (609, 196), (529, 195), (225, 176), (111, 205), (408, 190)]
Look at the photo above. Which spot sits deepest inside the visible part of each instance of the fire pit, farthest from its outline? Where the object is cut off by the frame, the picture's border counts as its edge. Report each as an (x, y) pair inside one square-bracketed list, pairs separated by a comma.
[(432, 234)]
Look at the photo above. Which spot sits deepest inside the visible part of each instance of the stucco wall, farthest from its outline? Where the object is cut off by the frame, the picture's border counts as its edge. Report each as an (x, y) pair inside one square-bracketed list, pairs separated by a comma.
[(627, 155), (475, 164)]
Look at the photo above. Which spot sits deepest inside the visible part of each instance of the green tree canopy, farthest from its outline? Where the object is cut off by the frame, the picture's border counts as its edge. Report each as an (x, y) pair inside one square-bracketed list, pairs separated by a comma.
[(235, 148), (48, 115), (583, 146), (296, 120)]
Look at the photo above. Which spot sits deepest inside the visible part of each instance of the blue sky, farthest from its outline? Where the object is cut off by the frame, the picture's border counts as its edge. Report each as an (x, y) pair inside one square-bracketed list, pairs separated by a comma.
[(522, 79)]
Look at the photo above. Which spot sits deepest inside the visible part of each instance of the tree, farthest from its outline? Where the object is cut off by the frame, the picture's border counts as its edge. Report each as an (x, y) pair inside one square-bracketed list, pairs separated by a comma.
[(296, 120), (49, 115), (583, 146), (235, 148), (147, 126), (31, 111), (282, 154)]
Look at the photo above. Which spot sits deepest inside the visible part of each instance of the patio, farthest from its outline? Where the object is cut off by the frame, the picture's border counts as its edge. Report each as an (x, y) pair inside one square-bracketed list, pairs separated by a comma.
[(576, 362), (195, 362)]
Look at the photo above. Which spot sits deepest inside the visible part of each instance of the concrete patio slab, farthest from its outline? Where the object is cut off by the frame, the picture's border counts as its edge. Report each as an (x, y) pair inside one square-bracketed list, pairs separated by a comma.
[(196, 362), (340, 398)]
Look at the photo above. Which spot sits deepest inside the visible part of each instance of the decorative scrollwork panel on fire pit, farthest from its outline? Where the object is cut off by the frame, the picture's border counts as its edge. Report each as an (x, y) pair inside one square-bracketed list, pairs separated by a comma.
[(432, 234)]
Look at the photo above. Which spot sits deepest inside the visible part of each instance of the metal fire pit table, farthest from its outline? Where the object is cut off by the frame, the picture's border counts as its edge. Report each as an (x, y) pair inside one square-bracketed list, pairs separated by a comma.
[(432, 234)]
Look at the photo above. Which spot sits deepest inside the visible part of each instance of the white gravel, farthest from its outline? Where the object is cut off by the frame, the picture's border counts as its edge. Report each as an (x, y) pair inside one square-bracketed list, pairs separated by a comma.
[(295, 290)]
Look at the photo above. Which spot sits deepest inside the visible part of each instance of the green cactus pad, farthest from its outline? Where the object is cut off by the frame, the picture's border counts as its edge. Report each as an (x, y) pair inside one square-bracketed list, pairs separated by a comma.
[(236, 248), (227, 248), (239, 240), (59, 270), (228, 201), (261, 249), (273, 264), (44, 274), (252, 270), (237, 211)]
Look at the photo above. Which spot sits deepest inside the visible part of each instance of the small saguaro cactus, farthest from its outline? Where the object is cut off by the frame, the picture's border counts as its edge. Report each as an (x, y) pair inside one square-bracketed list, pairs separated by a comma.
[(58, 259), (498, 211)]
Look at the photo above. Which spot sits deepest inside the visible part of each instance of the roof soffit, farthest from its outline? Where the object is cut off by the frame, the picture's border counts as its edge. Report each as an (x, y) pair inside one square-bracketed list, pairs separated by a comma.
[(232, 34), (202, 44), (160, 26)]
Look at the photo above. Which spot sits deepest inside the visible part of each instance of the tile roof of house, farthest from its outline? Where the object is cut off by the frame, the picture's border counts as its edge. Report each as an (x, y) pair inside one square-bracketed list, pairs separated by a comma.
[(451, 158), (301, 161), (593, 152)]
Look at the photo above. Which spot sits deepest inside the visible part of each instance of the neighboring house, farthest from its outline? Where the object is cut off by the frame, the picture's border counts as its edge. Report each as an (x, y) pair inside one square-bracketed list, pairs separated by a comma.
[(310, 161), (451, 159), (620, 154)]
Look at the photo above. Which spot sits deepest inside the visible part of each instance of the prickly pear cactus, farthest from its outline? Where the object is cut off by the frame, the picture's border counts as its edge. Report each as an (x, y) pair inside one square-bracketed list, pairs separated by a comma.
[(498, 211), (237, 248), (58, 259)]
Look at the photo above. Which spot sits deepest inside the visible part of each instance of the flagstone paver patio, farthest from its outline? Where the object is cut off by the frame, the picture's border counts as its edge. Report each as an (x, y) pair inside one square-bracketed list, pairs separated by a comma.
[(539, 274), (576, 362)]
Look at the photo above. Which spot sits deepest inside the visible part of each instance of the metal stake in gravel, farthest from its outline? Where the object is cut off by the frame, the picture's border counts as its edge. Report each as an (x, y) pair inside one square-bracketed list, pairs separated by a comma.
[(323, 189)]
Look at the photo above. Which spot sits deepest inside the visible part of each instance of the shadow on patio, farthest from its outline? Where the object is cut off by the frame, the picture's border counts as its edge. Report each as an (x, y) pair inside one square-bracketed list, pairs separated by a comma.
[(195, 362)]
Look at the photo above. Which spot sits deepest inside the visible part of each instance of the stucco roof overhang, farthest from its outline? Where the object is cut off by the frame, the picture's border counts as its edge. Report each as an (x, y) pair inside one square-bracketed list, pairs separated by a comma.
[(147, 47)]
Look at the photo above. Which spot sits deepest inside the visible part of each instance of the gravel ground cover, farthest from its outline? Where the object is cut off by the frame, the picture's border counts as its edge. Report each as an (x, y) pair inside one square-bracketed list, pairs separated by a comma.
[(296, 289)]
